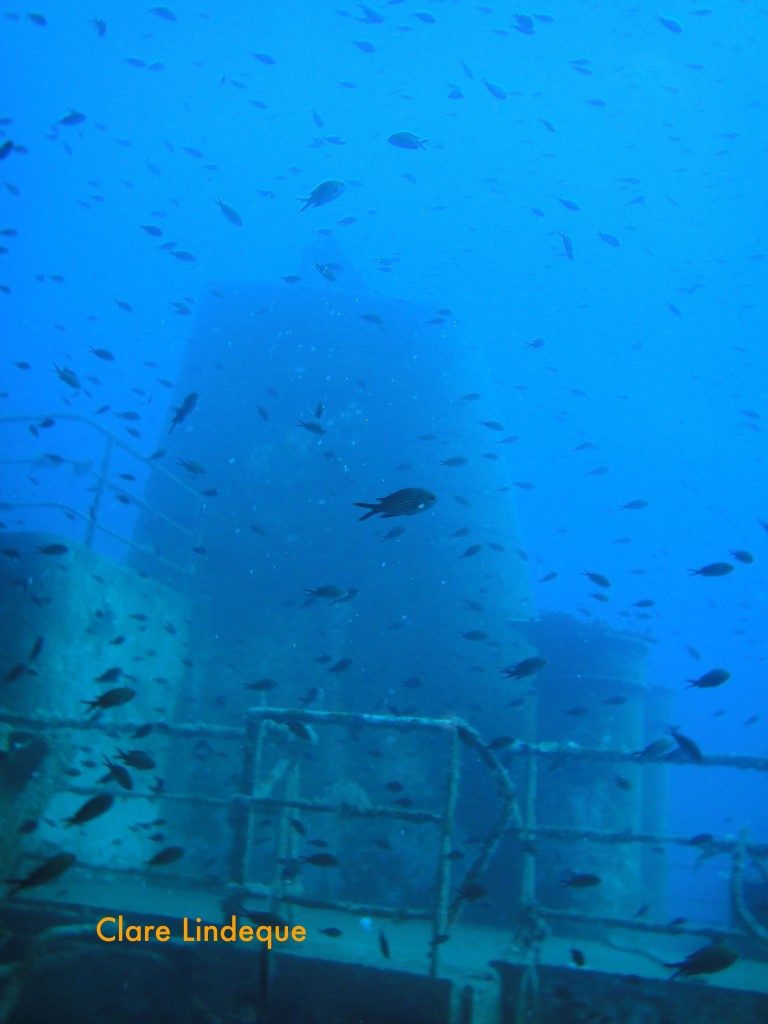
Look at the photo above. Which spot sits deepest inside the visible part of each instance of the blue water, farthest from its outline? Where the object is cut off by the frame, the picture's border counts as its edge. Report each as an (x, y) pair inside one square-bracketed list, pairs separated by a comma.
[(637, 137)]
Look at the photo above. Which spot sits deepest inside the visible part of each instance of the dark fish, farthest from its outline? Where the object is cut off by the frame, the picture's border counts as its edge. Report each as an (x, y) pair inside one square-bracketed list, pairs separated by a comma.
[(167, 856), (137, 759), (501, 742), (91, 809), (713, 569), (622, 782), (110, 676), (578, 957), (183, 410), (688, 747), (321, 860), (715, 677), (597, 578), (330, 593), (473, 549), (744, 556), (384, 945), (394, 533), (162, 12), (333, 933), (672, 26), (634, 505), (405, 502), (609, 239), (53, 549), (455, 460), (654, 751), (301, 731), (567, 245), (298, 826), (707, 960), (495, 90), (261, 685), (15, 673), (323, 193), (117, 773), (48, 871), (311, 426), (231, 214), (406, 140), (111, 699), (526, 667), (72, 118), (340, 666), (573, 880)]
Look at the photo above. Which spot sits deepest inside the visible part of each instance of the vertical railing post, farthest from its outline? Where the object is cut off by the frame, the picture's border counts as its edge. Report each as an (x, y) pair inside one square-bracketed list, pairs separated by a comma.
[(242, 809), (98, 493), (528, 874), (442, 900)]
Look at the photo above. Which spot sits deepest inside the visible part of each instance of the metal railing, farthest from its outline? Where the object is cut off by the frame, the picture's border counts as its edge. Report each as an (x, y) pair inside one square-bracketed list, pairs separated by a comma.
[(100, 469), (512, 819)]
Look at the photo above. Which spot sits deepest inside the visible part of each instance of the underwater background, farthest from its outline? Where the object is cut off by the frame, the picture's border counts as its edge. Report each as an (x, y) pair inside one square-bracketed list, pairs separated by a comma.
[(305, 256)]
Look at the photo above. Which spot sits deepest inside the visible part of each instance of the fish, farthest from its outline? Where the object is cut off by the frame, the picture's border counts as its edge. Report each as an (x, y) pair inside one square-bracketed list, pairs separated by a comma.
[(91, 809), (102, 353), (137, 759), (744, 556), (670, 24), (526, 667), (686, 745), (110, 676), (117, 773), (473, 549), (654, 751), (384, 945), (567, 245), (575, 880), (711, 959), (321, 860), (495, 90), (597, 578), (634, 505), (578, 957), (406, 140), (261, 685), (167, 856), (713, 569), (231, 214), (405, 502), (48, 871), (333, 933), (715, 677), (53, 549), (336, 595), (323, 193), (311, 426), (183, 411), (111, 699)]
